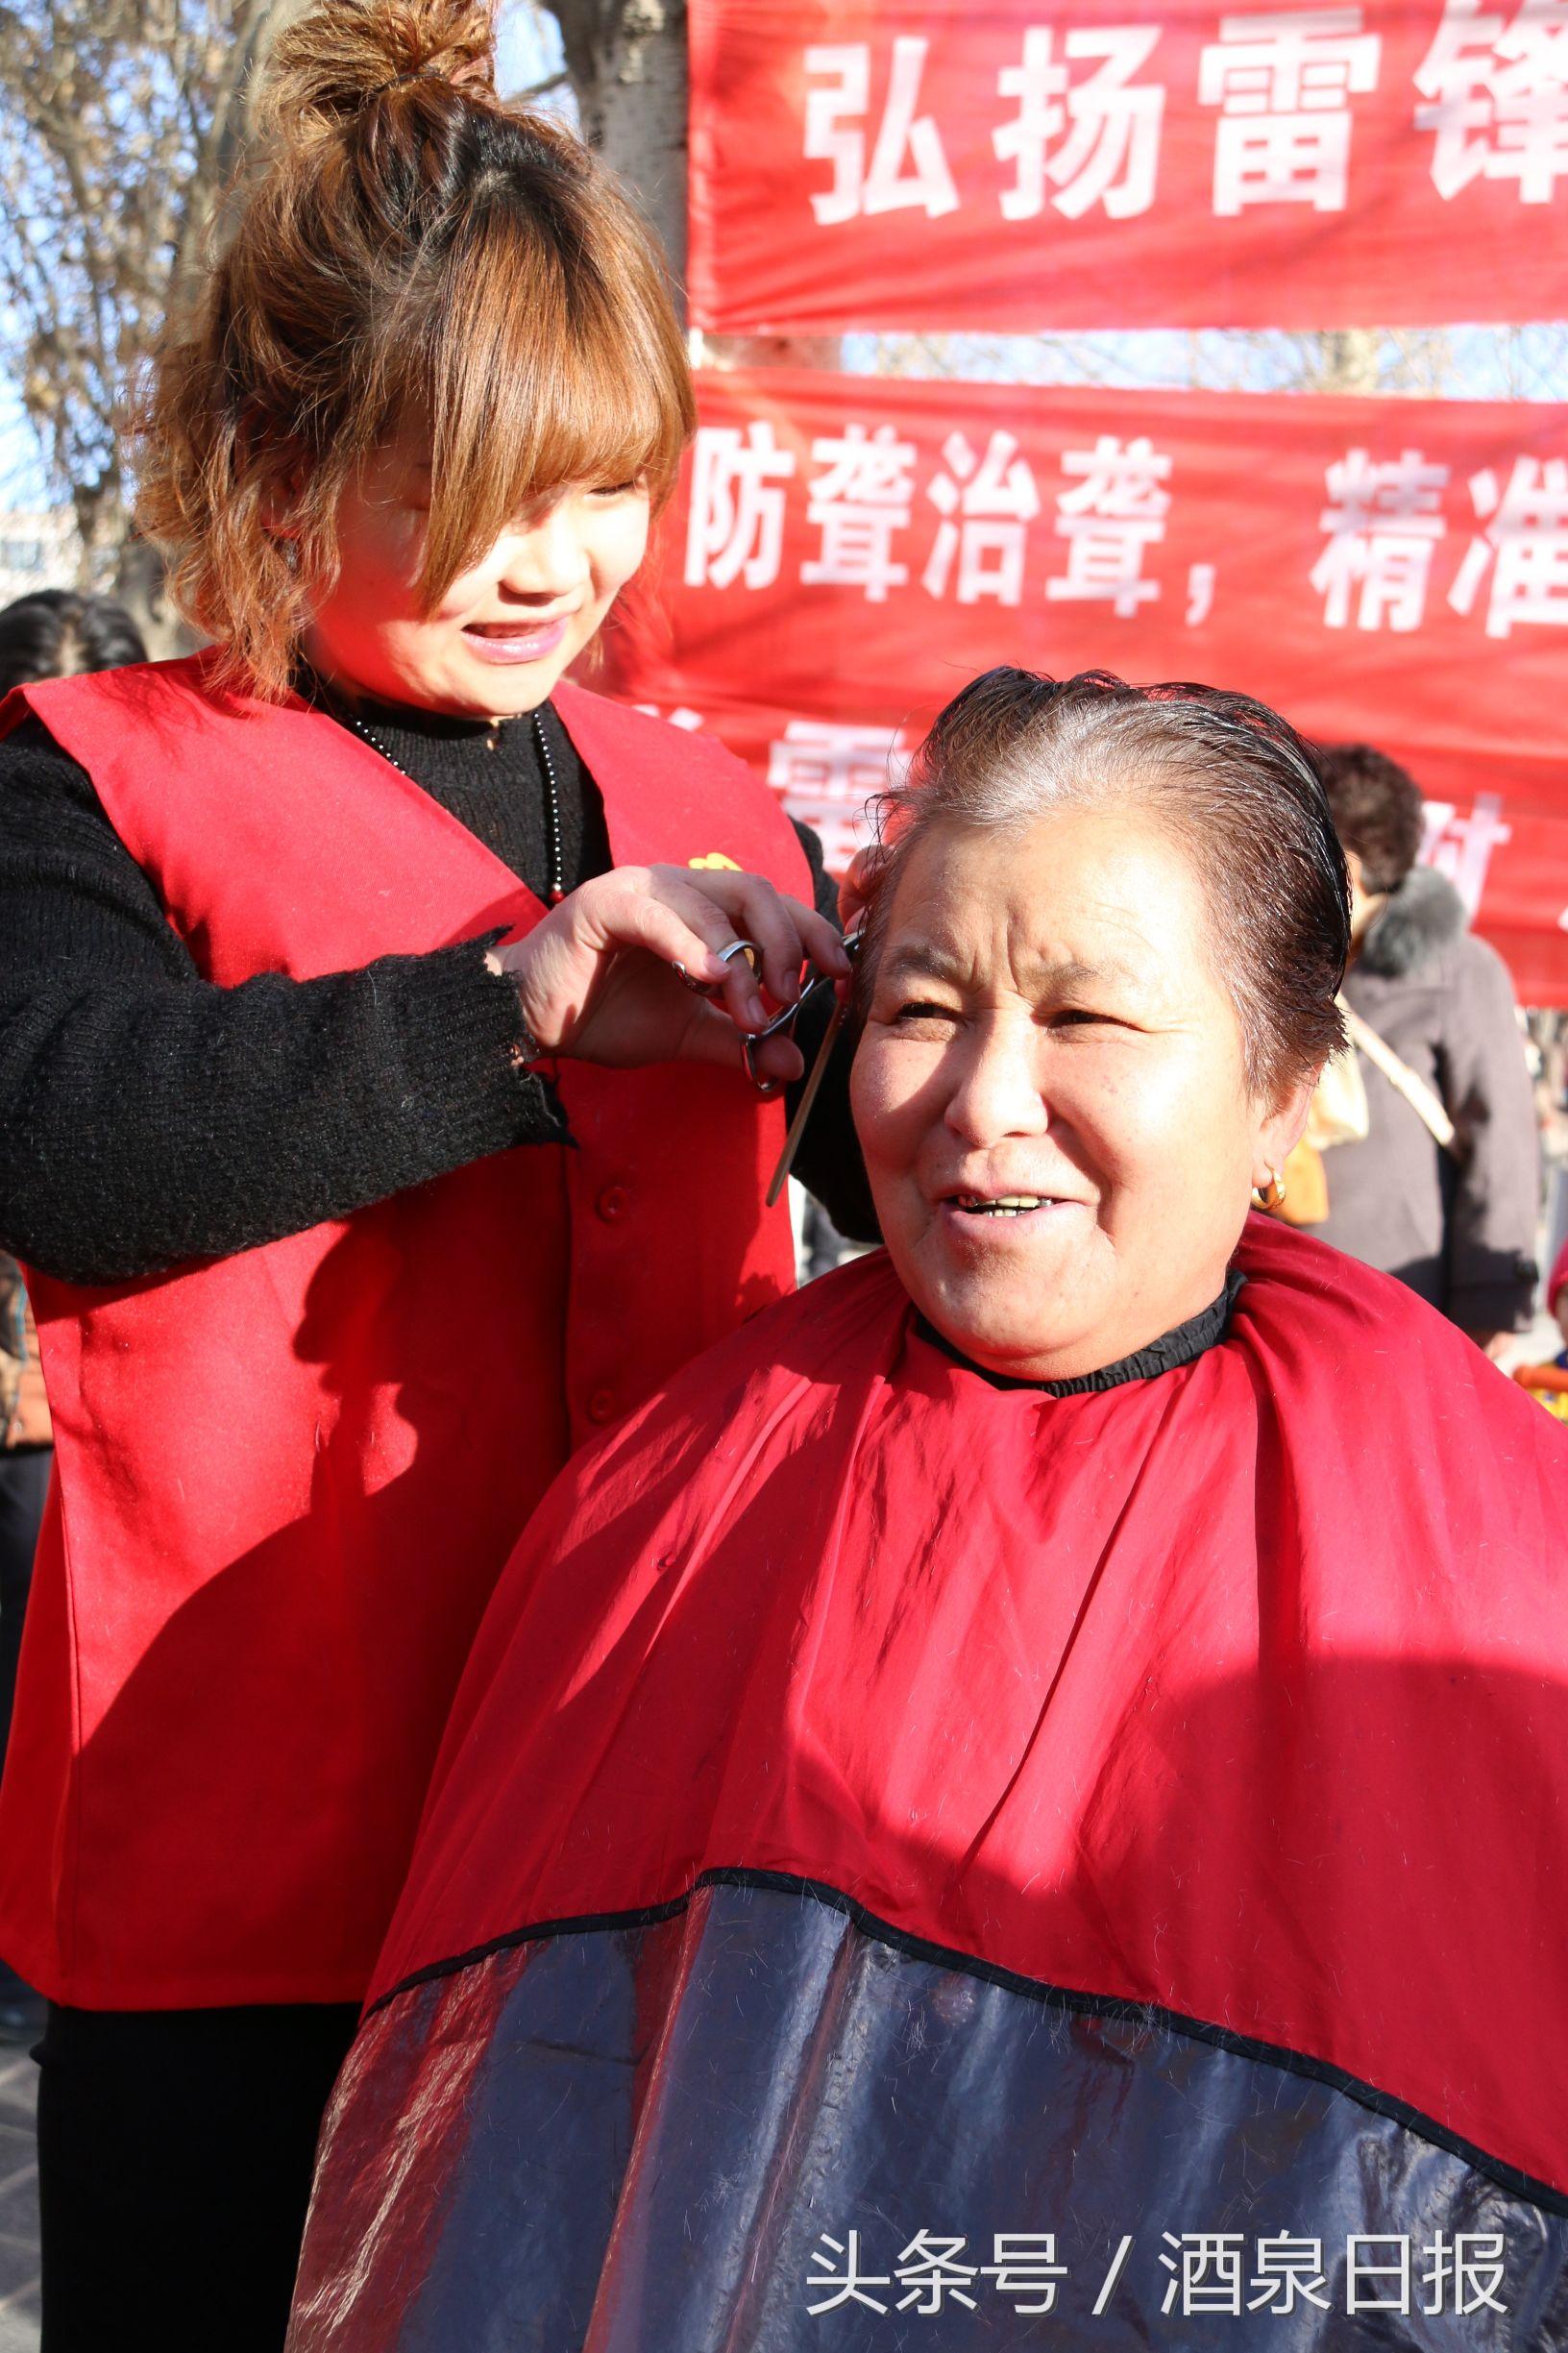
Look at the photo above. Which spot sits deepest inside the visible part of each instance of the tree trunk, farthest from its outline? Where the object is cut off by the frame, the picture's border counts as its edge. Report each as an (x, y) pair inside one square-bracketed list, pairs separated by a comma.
[(627, 64), (1349, 361), (627, 59)]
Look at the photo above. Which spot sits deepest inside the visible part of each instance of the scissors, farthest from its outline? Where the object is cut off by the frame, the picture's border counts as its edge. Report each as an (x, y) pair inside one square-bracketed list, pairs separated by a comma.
[(785, 1021), (782, 1023)]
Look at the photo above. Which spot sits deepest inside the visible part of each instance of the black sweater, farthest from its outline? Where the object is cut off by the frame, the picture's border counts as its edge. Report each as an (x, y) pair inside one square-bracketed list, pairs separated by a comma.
[(148, 1117)]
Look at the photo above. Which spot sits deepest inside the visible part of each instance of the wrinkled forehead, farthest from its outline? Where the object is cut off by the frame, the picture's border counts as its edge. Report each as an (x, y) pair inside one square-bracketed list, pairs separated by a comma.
[(1064, 898)]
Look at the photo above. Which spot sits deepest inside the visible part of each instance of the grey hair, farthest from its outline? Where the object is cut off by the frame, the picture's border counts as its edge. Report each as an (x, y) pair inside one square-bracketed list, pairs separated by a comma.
[(1225, 775)]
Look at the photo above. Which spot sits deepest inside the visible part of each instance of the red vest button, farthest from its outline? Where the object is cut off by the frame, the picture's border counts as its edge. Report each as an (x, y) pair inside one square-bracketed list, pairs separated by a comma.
[(602, 1405), (613, 1203)]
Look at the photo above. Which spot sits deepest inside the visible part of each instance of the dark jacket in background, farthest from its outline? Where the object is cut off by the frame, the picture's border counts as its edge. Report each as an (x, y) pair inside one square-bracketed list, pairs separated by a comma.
[(1460, 1235)]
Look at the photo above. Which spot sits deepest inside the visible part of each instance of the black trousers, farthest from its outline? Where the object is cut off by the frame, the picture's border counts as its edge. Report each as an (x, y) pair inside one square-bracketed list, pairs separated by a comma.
[(24, 1483), (175, 2149)]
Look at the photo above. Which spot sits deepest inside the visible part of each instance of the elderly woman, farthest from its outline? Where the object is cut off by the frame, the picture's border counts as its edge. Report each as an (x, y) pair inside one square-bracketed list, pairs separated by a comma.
[(1022, 1793)]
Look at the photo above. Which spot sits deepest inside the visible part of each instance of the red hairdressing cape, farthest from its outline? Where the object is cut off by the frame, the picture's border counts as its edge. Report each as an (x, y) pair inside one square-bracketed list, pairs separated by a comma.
[(884, 1801)]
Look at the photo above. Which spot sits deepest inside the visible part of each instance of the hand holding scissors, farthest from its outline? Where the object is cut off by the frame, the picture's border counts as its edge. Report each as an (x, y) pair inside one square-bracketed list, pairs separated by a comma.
[(600, 978)]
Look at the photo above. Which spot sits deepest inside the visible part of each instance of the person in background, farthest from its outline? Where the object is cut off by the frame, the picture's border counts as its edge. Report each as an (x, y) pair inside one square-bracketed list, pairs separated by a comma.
[(1454, 1220), (58, 632), (52, 633)]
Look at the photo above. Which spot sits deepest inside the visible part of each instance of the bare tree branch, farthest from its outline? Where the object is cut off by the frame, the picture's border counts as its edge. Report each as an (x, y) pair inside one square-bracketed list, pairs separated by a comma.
[(120, 123)]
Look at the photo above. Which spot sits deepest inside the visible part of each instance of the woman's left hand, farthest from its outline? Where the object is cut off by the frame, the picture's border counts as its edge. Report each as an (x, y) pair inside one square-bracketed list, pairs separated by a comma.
[(598, 977)]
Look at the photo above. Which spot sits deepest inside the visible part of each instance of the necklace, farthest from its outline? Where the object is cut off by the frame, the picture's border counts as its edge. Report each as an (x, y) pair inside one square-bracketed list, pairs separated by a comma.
[(556, 890), (552, 810)]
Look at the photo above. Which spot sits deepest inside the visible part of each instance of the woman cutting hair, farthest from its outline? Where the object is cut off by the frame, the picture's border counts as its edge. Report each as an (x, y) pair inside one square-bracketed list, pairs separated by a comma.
[(1020, 1801), (331, 961)]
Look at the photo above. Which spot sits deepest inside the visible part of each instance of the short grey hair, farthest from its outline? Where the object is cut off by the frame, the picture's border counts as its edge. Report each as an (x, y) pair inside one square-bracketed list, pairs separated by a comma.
[(1225, 775)]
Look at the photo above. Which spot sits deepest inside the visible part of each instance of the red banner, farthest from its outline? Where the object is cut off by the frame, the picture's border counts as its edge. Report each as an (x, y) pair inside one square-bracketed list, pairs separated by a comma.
[(994, 164), (846, 551)]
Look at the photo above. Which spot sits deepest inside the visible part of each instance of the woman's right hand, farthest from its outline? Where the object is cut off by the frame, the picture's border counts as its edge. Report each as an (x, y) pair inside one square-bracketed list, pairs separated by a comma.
[(597, 978)]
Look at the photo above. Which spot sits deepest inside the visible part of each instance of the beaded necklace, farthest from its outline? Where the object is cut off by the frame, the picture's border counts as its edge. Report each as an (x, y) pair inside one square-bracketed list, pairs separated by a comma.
[(492, 742)]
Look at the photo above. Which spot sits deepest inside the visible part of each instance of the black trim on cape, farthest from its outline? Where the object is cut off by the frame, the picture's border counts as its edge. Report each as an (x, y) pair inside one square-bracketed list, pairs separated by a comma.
[(1153, 2014), (1183, 1345)]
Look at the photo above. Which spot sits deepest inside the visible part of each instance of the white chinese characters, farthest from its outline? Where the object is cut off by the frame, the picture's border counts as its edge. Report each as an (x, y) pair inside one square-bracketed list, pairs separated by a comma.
[(1461, 846), (1525, 547), (735, 527), (1082, 110), (828, 773), (1284, 84), (1209, 2274), (904, 164), (1496, 92), (885, 516), (860, 500), (1383, 525), (1094, 139), (986, 504), (1114, 514)]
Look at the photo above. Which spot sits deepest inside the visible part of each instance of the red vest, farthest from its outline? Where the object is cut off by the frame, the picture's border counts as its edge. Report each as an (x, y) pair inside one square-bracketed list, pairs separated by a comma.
[(288, 1480)]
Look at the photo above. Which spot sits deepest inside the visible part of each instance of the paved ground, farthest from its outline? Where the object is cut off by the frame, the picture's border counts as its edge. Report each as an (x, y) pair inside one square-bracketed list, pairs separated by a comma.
[(18, 2205)]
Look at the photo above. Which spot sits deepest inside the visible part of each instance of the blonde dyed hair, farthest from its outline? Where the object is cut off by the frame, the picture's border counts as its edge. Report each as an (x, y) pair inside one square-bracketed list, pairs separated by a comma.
[(408, 254)]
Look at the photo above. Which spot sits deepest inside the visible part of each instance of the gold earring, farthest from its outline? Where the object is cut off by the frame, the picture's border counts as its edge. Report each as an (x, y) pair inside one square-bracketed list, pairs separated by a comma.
[(1269, 1197)]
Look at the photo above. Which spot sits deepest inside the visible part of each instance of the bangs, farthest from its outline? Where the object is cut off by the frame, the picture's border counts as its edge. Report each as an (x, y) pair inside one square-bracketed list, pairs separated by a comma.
[(555, 363)]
